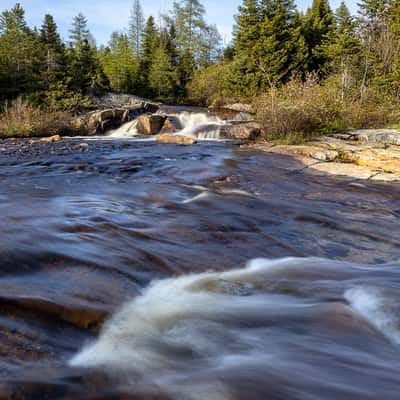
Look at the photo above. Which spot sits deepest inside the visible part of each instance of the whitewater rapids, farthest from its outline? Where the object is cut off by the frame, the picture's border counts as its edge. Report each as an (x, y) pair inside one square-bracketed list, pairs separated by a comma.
[(289, 326), (197, 125)]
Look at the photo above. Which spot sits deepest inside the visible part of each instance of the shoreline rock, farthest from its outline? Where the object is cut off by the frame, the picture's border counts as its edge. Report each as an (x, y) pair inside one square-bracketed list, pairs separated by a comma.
[(363, 154)]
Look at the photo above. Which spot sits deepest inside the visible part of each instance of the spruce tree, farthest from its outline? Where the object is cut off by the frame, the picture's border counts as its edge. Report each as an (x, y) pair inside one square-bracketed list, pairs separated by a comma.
[(53, 69), (162, 75), (119, 64), (85, 69), (319, 28), (19, 54), (150, 42), (136, 26), (79, 32), (247, 28), (278, 52)]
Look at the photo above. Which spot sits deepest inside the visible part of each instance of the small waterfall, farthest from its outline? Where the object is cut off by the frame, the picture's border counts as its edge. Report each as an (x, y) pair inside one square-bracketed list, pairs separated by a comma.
[(202, 126), (198, 125), (125, 131)]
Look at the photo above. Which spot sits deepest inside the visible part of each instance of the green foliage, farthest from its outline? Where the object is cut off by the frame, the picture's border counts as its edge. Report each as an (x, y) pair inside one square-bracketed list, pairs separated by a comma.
[(120, 64), (210, 84), (162, 75)]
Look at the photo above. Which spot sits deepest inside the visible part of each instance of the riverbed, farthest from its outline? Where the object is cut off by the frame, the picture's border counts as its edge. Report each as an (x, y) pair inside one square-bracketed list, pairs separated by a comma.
[(136, 270)]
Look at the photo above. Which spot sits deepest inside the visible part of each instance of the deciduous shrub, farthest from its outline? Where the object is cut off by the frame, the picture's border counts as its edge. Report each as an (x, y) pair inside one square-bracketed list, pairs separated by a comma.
[(21, 118)]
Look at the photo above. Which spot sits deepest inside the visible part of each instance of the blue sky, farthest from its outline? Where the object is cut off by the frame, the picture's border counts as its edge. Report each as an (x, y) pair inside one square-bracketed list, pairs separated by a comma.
[(106, 16)]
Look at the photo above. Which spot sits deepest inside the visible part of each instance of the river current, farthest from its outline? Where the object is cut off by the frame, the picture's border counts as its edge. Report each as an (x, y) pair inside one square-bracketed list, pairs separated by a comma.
[(136, 270)]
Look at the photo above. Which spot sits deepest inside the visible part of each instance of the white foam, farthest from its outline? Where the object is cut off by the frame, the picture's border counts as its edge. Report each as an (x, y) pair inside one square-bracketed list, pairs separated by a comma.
[(127, 130), (201, 126), (378, 307), (182, 312)]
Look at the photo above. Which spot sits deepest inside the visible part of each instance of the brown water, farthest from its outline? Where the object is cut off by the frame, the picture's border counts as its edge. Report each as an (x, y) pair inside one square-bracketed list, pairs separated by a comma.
[(82, 233)]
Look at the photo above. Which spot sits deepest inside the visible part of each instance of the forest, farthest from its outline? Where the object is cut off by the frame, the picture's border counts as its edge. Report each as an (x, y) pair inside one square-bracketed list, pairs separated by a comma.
[(305, 73)]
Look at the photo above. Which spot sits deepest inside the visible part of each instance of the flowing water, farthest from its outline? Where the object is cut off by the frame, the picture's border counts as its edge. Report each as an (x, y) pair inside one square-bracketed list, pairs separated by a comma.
[(135, 270), (194, 122)]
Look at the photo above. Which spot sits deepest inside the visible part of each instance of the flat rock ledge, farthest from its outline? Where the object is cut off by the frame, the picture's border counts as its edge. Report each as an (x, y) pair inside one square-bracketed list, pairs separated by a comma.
[(363, 154)]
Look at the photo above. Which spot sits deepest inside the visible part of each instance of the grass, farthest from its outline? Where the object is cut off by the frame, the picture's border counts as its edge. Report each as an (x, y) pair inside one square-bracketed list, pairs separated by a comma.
[(303, 110), (22, 119)]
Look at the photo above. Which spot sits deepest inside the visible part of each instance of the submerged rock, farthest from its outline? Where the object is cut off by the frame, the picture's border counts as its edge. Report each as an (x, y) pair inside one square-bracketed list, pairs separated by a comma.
[(150, 124), (51, 139), (175, 139)]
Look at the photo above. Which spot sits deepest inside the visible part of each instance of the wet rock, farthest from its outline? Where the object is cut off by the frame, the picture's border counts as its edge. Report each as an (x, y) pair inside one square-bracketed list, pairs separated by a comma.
[(340, 317), (244, 131), (51, 139), (175, 139), (82, 147), (171, 125), (150, 124)]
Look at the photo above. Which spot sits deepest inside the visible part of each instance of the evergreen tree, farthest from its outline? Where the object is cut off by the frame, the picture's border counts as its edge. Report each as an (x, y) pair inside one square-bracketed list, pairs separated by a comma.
[(136, 27), (79, 32), (19, 54), (345, 49), (53, 52), (85, 69), (189, 20), (150, 42), (279, 51), (247, 28), (162, 75), (119, 64), (319, 29)]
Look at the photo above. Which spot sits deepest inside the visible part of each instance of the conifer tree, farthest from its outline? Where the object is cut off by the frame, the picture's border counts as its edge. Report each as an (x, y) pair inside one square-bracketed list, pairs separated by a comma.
[(53, 69), (19, 54), (246, 31), (162, 75), (319, 28), (85, 68), (136, 26), (119, 64)]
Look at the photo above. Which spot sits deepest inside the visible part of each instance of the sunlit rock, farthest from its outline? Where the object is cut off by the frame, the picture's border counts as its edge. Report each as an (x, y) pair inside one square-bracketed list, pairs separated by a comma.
[(150, 124), (51, 139), (175, 139)]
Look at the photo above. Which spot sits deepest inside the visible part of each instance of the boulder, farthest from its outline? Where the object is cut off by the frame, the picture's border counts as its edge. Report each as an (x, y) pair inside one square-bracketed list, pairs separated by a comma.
[(51, 139), (100, 121), (244, 131), (168, 138), (171, 125), (150, 124)]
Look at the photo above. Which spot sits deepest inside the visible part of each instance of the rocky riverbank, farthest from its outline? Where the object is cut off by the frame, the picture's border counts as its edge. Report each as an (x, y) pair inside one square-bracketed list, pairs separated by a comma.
[(363, 154)]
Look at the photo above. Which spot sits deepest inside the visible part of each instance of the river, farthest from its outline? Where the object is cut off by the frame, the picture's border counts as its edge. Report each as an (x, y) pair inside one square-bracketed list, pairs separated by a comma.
[(136, 270)]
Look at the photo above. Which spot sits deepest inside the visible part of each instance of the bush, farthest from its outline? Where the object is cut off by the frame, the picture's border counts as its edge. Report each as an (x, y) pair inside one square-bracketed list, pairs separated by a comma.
[(209, 85), (301, 110), (20, 118)]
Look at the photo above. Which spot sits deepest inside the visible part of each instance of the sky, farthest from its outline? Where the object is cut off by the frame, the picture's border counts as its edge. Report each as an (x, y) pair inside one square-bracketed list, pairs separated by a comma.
[(105, 16)]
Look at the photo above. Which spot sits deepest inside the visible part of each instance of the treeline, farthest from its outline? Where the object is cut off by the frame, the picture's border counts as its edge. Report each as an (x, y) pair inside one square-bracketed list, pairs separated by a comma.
[(274, 43), (313, 72), (150, 59), (305, 72)]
